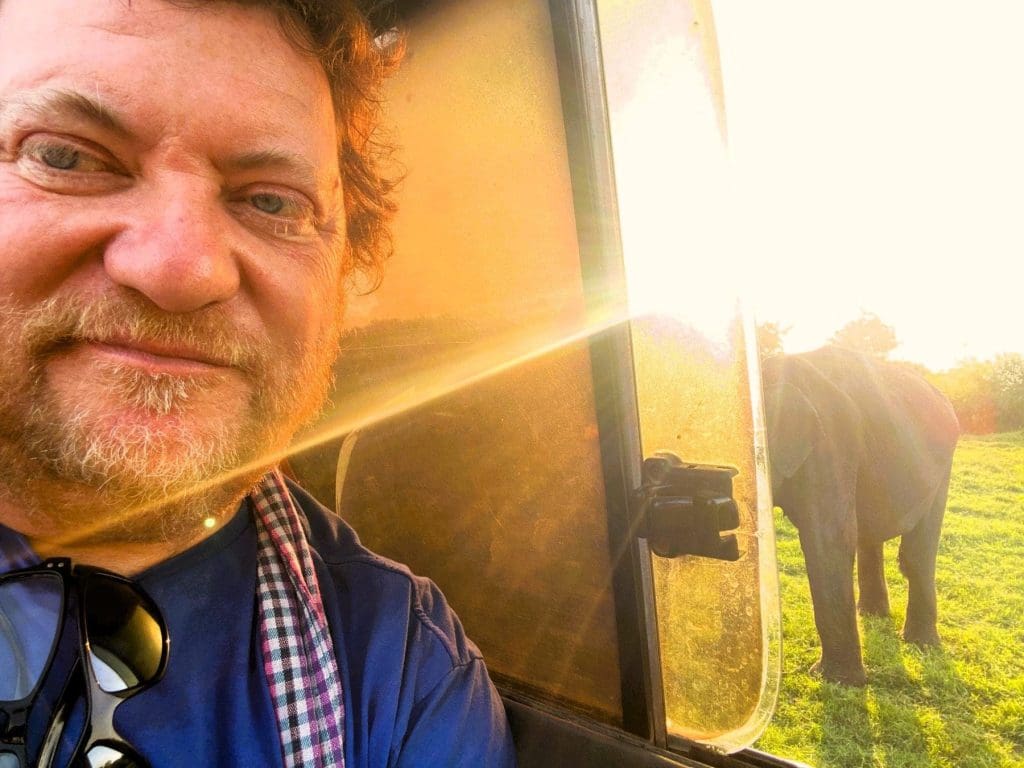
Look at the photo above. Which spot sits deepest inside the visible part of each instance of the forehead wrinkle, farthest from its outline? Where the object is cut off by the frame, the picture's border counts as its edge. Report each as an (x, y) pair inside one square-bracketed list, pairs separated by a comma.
[(125, 30), (146, 23), (140, 22)]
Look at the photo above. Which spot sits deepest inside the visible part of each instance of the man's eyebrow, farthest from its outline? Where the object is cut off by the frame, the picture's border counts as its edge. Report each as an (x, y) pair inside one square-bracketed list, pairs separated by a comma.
[(303, 169), (49, 102)]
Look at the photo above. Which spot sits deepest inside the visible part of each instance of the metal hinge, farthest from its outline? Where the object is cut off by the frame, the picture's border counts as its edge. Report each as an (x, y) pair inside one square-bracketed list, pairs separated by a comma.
[(684, 508)]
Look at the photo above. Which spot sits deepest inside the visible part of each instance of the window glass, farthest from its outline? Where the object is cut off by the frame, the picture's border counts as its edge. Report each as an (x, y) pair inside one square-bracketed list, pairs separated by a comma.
[(465, 384), (718, 622), (466, 414)]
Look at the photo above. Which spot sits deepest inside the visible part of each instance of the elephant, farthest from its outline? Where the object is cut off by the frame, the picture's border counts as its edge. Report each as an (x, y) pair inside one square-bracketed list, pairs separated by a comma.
[(860, 451)]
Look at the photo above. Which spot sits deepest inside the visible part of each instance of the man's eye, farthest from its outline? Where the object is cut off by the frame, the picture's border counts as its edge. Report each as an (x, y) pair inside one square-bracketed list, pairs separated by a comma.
[(281, 214), (61, 156), (272, 204), (282, 206)]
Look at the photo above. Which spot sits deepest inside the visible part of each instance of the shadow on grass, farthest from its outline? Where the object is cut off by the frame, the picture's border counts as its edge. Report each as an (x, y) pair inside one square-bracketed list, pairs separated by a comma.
[(846, 738), (853, 734), (900, 734), (964, 741), (924, 718)]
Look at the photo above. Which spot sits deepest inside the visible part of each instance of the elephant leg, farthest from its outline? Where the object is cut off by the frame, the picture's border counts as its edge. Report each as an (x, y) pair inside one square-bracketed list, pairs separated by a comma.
[(829, 556), (874, 596), (918, 550)]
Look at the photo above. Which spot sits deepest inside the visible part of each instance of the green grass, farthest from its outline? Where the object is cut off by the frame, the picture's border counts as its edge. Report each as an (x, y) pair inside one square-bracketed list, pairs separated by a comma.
[(960, 706)]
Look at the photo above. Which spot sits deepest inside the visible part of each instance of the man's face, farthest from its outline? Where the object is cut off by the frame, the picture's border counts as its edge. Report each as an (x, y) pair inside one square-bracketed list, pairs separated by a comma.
[(170, 240)]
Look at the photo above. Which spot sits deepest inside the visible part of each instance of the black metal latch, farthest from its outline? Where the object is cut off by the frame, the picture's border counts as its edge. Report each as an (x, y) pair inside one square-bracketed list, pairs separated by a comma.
[(685, 507)]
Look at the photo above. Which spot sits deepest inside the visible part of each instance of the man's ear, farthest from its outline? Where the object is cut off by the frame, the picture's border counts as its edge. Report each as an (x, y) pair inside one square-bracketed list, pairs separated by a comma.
[(794, 429)]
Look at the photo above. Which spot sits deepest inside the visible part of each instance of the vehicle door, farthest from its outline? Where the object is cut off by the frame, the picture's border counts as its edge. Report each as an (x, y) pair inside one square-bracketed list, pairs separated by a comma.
[(561, 309)]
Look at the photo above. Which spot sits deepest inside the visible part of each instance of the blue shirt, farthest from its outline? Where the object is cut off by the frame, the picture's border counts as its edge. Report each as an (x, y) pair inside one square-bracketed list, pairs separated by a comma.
[(416, 689)]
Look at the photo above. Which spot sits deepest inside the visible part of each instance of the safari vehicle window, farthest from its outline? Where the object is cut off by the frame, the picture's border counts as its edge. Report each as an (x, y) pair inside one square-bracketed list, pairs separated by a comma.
[(572, 238), (697, 394), (488, 472), (493, 407)]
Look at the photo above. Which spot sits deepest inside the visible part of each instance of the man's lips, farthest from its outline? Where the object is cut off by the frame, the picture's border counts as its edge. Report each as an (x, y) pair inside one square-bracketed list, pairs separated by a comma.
[(159, 357)]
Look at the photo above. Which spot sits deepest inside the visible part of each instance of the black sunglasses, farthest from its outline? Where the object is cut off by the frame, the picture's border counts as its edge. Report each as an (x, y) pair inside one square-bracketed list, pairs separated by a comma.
[(114, 646)]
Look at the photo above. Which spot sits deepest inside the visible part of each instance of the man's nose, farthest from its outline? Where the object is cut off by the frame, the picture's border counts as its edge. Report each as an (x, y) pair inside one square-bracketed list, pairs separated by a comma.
[(179, 253)]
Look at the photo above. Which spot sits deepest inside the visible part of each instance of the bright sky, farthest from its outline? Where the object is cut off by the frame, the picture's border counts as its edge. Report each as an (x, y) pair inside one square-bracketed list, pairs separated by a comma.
[(879, 151)]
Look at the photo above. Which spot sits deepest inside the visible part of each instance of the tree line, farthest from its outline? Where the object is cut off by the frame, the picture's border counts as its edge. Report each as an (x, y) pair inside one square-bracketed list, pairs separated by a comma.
[(987, 395)]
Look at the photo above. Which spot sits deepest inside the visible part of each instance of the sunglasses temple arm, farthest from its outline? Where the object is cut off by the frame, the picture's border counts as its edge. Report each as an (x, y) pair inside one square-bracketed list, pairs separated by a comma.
[(73, 689)]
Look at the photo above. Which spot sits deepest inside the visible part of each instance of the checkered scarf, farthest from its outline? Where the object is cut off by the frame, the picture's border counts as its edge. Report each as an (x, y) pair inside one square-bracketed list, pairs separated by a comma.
[(298, 654)]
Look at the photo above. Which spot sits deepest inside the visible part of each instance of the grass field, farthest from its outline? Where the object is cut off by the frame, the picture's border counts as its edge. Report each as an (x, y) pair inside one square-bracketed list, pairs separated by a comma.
[(961, 706)]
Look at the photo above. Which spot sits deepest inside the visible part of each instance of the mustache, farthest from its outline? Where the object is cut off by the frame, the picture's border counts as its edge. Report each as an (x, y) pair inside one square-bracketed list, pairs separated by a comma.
[(60, 321)]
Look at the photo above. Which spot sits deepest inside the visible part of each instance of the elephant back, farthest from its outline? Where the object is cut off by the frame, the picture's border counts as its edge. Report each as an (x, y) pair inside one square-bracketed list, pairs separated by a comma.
[(909, 434)]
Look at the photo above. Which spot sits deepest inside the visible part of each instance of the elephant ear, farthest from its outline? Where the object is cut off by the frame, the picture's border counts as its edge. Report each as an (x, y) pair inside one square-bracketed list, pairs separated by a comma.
[(794, 428)]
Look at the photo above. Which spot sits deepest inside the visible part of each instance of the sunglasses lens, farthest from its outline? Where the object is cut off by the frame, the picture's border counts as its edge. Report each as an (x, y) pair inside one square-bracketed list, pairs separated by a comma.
[(104, 756), (125, 633), (30, 616)]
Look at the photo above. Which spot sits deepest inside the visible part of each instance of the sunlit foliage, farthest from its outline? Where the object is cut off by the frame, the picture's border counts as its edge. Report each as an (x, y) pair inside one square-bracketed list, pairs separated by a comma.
[(867, 334), (769, 338), (988, 396)]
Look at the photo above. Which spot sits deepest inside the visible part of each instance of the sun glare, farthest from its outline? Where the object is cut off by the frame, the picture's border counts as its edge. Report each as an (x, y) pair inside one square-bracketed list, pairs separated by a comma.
[(671, 167), (878, 158)]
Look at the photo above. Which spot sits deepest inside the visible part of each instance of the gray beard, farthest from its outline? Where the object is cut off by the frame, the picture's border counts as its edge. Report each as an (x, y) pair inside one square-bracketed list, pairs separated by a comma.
[(133, 482), (135, 462)]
